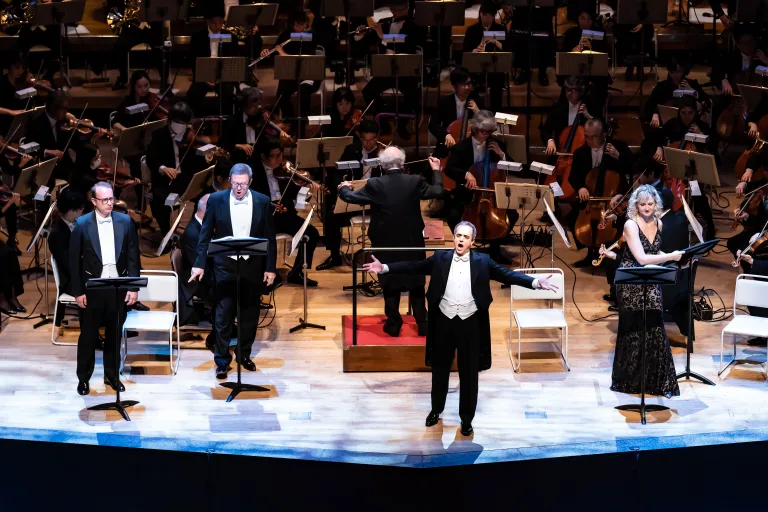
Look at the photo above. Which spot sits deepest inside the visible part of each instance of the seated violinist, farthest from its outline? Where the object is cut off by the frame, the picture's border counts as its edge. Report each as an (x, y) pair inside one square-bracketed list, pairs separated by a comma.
[(172, 161), (754, 118), (596, 152), (570, 107), (50, 131), (755, 262), (674, 131), (242, 129), (365, 146), (663, 92), (475, 42), (574, 40), (343, 113), (451, 108), (10, 105), (270, 179)]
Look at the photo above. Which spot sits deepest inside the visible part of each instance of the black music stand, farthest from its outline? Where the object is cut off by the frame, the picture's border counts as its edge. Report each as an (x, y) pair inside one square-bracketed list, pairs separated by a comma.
[(116, 284), (161, 11), (440, 15), (220, 70), (488, 62), (645, 276), (301, 238), (691, 256), (349, 10), (300, 68), (250, 16), (230, 246), (396, 66), (59, 14), (18, 128)]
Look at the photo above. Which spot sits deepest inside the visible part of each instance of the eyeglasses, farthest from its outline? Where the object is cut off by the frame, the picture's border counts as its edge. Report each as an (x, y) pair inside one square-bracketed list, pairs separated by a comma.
[(105, 200), (240, 185)]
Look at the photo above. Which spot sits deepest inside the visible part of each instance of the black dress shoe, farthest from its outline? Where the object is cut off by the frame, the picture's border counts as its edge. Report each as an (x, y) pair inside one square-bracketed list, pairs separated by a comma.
[(100, 343), (83, 388), (19, 309), (138, 306), (392, 330), (423, 329), (221, 371), (756, 342), (298, 278), (9, 312), (433, 418), (114, 383), (466, 429), (265, 305), (248, 364), (333, 260), (613, 308), (609, 298)]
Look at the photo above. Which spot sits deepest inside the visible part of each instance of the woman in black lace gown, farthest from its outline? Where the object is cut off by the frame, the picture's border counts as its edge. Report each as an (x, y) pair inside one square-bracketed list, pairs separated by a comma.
[(642, 233)]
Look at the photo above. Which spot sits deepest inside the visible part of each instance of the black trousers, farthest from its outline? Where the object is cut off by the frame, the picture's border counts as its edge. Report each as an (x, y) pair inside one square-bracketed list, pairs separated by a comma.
[(129, 37), (392, 304), (251, 277), (409, 86), (101, 310), (285, 88), (453, 335), (196, 98), (290, 222), (334, 223), (160, 212)]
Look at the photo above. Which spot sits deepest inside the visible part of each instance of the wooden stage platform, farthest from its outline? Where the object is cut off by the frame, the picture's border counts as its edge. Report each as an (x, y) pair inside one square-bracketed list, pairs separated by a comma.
[(315, 411)]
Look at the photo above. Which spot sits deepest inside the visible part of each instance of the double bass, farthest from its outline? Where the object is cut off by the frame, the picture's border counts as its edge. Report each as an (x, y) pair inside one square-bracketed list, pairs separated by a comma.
[(731, 124), (570, 137), (602, 184), (459, 130), (491, 222)]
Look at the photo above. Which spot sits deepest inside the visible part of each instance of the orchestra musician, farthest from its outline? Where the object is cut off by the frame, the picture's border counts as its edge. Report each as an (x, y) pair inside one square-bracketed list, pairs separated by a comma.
[(241, 130), (663, 91), (459, 297), (755, 264), (48, 130), (475, 42), (343, 113), (271, 179), (573, 40), (532, 51), (38, 35), (563, 112), (400, 23), (204, 44), (596, 153), (10, 105), (365, 146), (132, 34), (172, 161), (395, 200), (451, 108), (104, 244), (241, 212)]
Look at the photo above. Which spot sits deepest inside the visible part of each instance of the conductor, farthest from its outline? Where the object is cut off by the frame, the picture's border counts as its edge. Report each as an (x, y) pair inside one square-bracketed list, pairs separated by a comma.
[(239, 212)]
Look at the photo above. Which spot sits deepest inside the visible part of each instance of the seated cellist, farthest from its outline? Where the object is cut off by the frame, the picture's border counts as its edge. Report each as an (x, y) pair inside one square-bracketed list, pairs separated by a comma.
[(564, 112)]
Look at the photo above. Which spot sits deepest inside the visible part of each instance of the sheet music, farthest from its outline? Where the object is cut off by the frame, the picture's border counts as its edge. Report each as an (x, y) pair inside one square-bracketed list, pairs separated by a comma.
[(694, 223), (557, 224)]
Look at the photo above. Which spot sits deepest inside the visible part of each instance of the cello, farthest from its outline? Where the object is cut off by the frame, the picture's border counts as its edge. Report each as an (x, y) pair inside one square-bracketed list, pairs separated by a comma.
[(603, 184), (491, 222), (459, 130), (568, 138)]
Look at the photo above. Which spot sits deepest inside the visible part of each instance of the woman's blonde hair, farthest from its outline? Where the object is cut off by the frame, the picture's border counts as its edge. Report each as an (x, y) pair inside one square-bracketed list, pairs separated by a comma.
[(642, 193)]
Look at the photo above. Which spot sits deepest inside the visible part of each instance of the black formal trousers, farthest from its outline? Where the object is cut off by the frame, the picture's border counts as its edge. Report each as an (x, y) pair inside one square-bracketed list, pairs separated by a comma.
[(409, 86), (160, 212), (196, 98), (285, 88), (334, 223), (453, 335), (101, 310), (417, 299), (291, 223), (251, 277)]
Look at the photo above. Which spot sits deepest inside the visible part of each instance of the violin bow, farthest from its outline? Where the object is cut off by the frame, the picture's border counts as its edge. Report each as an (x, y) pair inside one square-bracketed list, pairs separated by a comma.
[(74, 130), (269, 118), (181, 160), (609, 211), (361, 118), (746, 197), (156, 105)]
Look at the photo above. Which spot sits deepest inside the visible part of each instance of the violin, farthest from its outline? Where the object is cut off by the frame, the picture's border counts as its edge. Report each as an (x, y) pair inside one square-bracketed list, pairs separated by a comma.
[(750, 204), (741, 163), (299, 178), (603, 184), (353, 119), (43, 87), (760, 241), (618, 243), (159, 105), (83, 126)]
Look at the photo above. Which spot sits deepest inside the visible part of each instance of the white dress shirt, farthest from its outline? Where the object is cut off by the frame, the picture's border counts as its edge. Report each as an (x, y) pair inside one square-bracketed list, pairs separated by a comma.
[(573, 110), (746, 62), (52, 121), (241, 214), (479, 150), (366, 168), (457, 298), (250, 133), (394, 28), (274, 186), (597, 156), (461, 106), (175, 145), (106, 231), (214, 44), (70, 225)]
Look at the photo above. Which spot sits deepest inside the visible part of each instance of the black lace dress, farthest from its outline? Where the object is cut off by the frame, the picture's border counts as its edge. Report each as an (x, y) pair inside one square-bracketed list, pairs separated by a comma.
[(660, 368)]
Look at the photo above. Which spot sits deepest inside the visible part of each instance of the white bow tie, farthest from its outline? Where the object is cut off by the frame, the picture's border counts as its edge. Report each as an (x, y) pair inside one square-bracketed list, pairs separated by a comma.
[(241, 201), (108, 220), (464, 258)]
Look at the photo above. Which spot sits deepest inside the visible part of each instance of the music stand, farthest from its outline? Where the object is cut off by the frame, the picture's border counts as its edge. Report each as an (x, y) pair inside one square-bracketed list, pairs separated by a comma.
[(345, 207), (42, 233), (691, 256), (645, 276), (34, 177), (18, 128), (313, 153), (135, 140), (666, 113), (60, 14), (488, 62), (252, 15), (515, 145), (523, 196), (116, 284), (439, 14), (231, 246), (581, 63), (298, 238), (161, 11), (220, 70), (349, 10), (299, 68), (396, 66)]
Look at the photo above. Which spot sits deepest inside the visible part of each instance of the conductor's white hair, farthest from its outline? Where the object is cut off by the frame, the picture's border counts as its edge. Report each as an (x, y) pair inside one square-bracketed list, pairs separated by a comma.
[(392, 158), (642, 193)]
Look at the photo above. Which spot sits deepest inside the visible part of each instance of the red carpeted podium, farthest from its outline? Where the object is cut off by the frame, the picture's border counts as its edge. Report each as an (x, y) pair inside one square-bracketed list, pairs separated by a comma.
[(376, 351)]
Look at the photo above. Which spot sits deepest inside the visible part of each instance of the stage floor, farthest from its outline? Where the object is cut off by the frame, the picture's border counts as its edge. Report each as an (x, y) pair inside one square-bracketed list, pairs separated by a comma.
[(315, 411)]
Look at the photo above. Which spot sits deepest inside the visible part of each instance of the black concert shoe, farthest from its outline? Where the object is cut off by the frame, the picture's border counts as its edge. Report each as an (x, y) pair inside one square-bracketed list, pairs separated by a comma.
[(265, 305), (609, 298), (433, 418), (19, 309), (613, 308), (334, 260), (221, 371), (114, 383), (466, 429), (297, 278), (9, 312), (248, 364), (423, 329), (138, 306), (119, 84), (392, 330), (83, 388), (100, 343)]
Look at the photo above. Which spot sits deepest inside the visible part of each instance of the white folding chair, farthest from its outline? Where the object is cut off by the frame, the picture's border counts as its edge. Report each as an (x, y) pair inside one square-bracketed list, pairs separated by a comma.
[(751, 290), (286, 239), (552, 317), (162, 286), (63, 299)]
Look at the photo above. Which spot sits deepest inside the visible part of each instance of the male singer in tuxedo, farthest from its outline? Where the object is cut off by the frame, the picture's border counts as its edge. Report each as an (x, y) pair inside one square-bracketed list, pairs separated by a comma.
[(459, 296), (103, 244), (241, 212)]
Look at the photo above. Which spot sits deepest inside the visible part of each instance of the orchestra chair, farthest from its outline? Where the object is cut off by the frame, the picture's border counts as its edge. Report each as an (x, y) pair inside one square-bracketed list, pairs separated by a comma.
[(287, 240), (176, 266), (63, 300), (162, 287), (552, 317), (141, 47), (751, 290), (146, 181)]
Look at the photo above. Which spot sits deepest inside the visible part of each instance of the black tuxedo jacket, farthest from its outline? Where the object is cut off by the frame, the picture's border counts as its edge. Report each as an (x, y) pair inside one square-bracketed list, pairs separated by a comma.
[(39, 130), (444, 116), (582, 164), (85, 250), (261, 184), (461, 158), (217, 223), (160, 152), (413, 36), (58, 241), (557, 118), (199, 45), (483, 269)]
